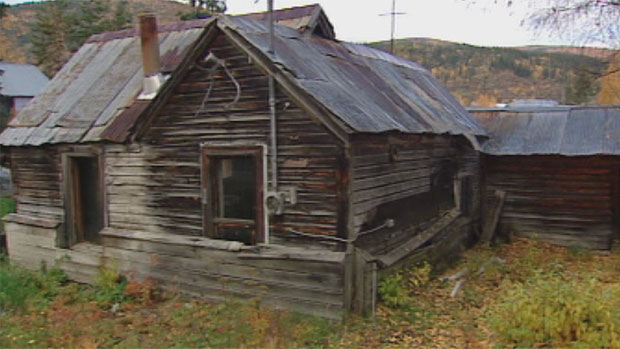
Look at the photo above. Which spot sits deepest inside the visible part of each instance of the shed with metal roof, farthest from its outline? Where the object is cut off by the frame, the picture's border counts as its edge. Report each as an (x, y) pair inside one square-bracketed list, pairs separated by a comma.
[(559, 167), (19, 83)]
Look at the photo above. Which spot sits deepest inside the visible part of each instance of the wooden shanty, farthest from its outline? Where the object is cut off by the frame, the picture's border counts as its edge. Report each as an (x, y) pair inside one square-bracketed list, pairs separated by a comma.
[(294, 170), (559, 167)]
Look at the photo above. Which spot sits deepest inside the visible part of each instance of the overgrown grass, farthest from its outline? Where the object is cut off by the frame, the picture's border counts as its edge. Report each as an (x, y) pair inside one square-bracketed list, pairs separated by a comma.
[(541, 296), (40, 310), (554, 310), (19, 286)]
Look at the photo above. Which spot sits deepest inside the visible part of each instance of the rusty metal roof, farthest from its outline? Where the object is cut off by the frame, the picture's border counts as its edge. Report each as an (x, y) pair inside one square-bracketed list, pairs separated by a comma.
[(561, 130), (367, 89), (97, 85)]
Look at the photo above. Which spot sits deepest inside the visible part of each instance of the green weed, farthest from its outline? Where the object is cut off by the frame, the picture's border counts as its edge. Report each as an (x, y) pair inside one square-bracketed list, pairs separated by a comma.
[(19, 286), (109, 286), (393, 291)]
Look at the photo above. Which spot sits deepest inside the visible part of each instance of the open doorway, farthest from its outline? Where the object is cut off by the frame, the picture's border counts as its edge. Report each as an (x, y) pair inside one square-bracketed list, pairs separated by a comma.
[(83, 199)]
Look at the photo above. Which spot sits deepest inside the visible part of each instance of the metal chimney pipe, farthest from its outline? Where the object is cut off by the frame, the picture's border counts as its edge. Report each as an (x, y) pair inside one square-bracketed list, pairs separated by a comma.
[(150, 44)]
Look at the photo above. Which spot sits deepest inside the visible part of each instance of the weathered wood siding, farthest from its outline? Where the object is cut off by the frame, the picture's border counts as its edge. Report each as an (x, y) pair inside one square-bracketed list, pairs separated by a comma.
[(37, 177), (155, 185), (564, 200), (32, 243), (386, 169), (296, 279)]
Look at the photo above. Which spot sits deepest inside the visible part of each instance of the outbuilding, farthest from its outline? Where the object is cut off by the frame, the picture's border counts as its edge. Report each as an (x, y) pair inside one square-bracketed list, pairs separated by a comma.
[(19, 83), (559, 167)]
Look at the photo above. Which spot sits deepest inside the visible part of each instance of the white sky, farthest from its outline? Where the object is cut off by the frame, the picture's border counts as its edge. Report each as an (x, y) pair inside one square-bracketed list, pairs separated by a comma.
[(453, 20)]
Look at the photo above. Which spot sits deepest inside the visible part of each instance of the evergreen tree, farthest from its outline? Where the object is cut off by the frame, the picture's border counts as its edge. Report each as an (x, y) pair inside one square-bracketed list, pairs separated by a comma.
[(581, 89), (204, 8), (50, 35), (62, 26)]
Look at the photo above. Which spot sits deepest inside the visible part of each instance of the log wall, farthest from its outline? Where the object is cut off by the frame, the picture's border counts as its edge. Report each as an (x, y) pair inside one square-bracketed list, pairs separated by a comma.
[(569, 201), (37, 179)]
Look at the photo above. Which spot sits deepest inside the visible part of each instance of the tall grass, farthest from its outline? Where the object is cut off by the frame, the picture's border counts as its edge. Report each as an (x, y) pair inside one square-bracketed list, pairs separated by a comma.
[(19, 286)]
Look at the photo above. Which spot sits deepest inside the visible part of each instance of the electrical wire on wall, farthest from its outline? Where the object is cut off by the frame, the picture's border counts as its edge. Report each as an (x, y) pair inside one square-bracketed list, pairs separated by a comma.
[(218, 63)]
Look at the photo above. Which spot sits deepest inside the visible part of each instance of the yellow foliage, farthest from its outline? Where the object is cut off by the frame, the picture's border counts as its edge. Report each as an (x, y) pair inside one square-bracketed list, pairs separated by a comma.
[(483, 100), (610, 84)]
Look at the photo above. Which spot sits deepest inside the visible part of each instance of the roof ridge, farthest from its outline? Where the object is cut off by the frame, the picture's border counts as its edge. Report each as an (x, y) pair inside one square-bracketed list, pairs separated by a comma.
[(181, 25)]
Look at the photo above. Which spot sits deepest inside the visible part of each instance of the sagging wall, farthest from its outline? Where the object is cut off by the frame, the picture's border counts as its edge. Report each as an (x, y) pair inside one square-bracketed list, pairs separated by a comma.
[(569, 201), (398, 177), (429, 186)]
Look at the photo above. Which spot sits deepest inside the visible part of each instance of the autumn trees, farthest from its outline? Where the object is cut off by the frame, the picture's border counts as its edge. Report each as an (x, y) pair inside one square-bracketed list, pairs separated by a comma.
[(584, 22), (62, 26)]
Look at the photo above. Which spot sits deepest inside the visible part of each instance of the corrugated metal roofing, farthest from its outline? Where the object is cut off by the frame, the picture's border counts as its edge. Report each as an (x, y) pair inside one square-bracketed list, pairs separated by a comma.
[(98, 83), (368, 90), (21, 80), (562, 130)]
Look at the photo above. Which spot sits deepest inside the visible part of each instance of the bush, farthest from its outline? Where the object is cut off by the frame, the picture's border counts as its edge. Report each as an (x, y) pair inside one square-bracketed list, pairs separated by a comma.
[(548, 309), (393, 291)]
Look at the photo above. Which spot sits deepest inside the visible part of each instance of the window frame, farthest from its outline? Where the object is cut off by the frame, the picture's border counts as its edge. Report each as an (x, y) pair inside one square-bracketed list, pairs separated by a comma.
[(209, 191)]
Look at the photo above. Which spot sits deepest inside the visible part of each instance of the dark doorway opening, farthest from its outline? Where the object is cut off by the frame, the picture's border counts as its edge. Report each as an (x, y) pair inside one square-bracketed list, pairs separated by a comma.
[(86, 206)]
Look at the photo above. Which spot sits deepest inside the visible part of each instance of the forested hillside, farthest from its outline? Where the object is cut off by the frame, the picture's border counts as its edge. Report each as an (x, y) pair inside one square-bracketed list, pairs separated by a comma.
[(488, 75), (15, 27), (480, 76)]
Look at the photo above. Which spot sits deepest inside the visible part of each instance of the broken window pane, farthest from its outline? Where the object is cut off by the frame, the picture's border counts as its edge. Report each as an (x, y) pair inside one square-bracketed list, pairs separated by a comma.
[(237, 187)]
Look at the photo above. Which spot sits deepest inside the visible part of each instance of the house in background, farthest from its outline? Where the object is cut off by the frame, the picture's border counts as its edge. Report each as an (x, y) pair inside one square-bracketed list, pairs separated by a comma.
[(560, 168), (225, 165), (19, 83)]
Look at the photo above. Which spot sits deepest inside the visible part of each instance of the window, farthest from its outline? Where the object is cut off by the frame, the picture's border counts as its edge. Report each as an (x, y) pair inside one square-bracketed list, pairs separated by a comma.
[(232, 193), (83, 193)]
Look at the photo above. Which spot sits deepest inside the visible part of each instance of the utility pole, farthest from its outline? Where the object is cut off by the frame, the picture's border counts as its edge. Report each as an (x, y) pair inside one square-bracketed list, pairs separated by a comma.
[(393, 13)]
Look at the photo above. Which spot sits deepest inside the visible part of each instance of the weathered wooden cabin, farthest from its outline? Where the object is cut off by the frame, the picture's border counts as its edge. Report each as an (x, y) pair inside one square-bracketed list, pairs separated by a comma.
[(291, 173), (560, 169)]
